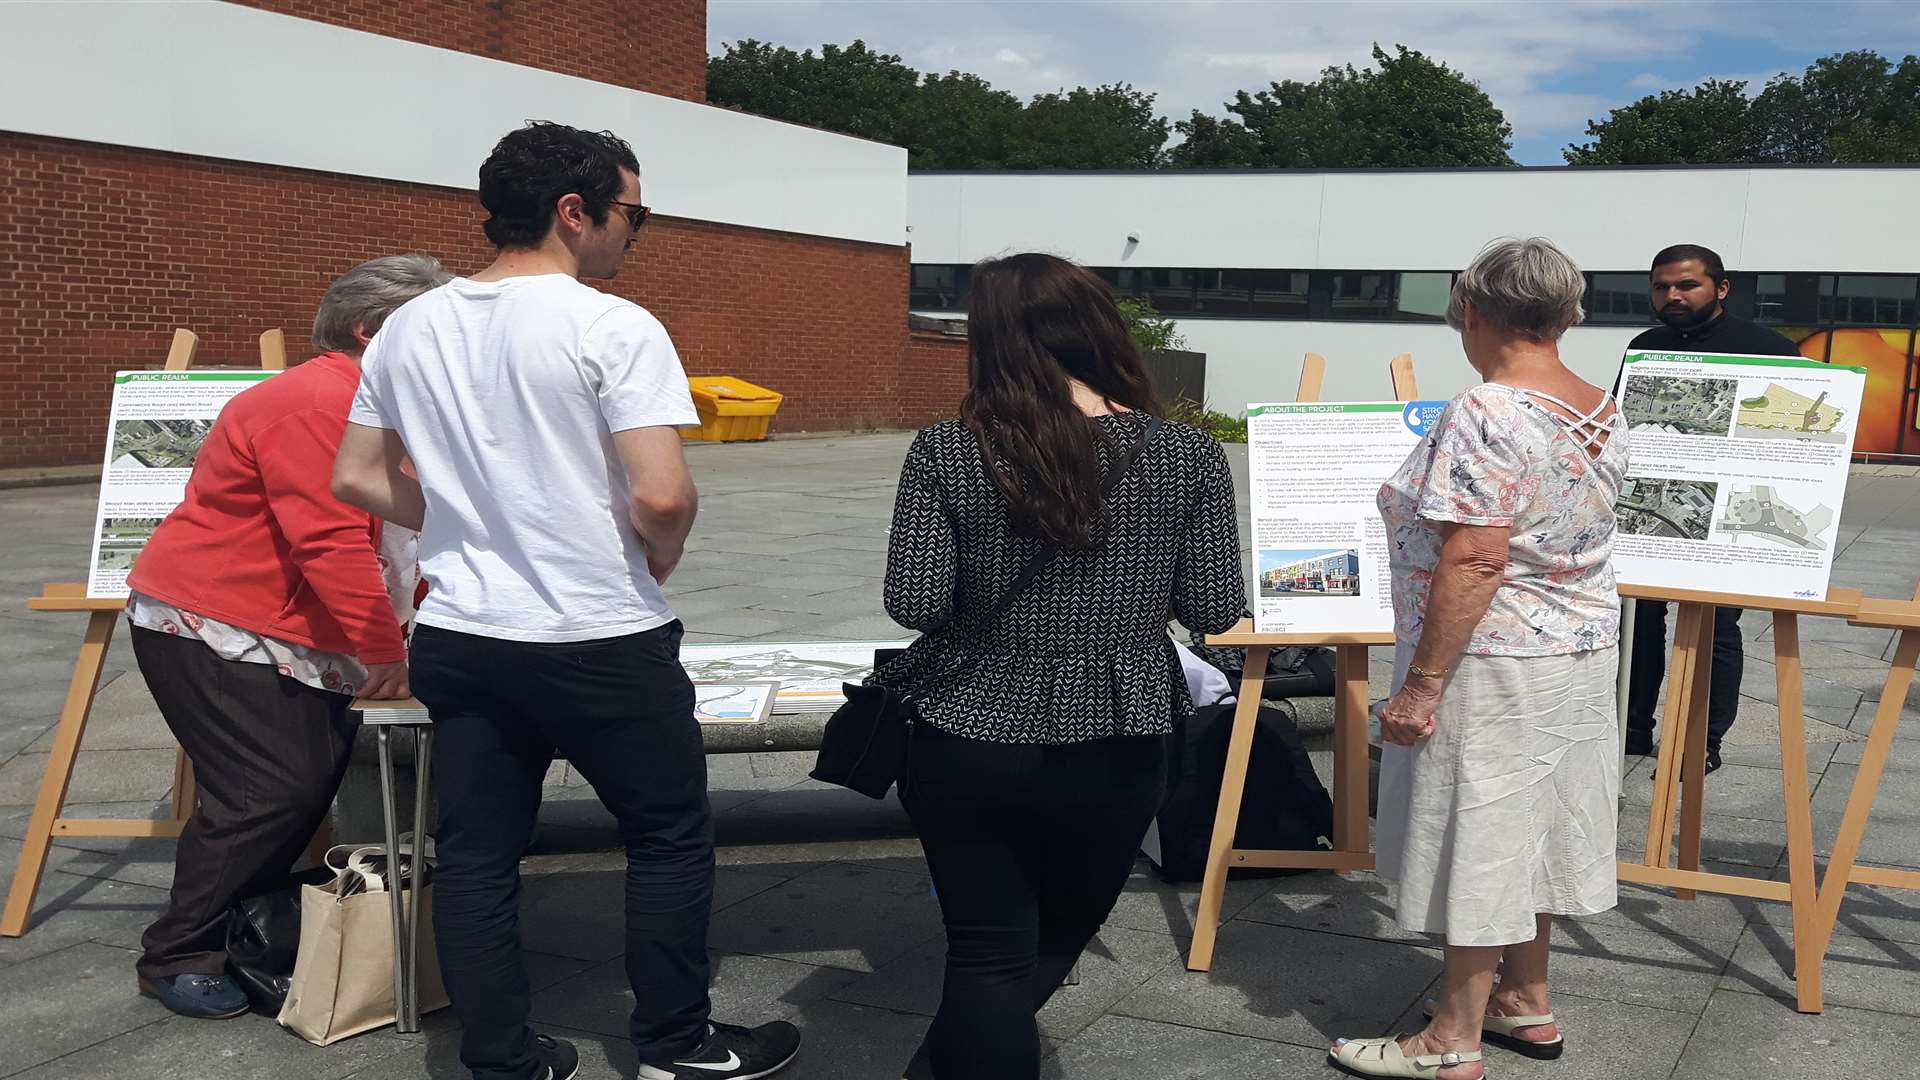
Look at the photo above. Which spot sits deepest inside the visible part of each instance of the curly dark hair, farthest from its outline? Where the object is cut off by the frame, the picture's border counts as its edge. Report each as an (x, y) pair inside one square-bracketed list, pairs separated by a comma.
[(532, 167)]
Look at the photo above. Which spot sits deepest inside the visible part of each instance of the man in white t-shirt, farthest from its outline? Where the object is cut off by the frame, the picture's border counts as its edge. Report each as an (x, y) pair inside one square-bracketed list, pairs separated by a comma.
[(541, 417)]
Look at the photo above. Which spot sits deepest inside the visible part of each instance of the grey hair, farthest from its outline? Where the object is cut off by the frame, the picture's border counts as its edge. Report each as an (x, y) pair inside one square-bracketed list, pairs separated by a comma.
[(363, 297), (1526, 287)]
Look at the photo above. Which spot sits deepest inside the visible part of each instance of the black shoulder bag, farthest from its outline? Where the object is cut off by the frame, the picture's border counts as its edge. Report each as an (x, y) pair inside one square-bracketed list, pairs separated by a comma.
[(866, 741)]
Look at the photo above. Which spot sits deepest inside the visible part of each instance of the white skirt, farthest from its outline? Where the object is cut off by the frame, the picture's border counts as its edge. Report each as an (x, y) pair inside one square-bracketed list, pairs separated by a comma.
[(1510, 809)]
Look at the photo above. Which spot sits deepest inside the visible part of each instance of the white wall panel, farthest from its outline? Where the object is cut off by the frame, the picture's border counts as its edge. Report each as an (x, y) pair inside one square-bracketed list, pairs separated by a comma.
[(230, 82)]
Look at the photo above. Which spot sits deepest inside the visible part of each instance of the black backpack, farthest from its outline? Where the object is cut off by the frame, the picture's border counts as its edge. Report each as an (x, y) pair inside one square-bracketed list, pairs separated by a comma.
[(1284, 808)]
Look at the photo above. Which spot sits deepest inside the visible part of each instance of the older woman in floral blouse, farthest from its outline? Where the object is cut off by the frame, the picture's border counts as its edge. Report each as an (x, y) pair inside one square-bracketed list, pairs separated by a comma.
[(1499, 780)]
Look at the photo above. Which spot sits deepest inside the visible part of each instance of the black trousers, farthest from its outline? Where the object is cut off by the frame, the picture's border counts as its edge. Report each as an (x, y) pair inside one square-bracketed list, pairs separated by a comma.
[(268, 754), (1650, 667), (1029, 846), (621, 711)]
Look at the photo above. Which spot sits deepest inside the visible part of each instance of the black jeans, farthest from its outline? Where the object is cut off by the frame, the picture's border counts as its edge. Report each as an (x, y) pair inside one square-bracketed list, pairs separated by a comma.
[(621, 711), (1650, 667), (268, 754), (1029, 846)]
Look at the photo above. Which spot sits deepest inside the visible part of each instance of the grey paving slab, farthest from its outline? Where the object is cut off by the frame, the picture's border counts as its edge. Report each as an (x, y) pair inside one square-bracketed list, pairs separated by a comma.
[(246, 1048), (1127, 1048), (1116, 961), (1867, 973), (1742, 1037), (1290, 985), (851, 917), (1147, 903), (100, 776), (1708, 916), (1360, 905), (853, 1042), (1657, 969), (68, 1000), (1893, 826), (71, 910), (1748, 842), (745, 990)]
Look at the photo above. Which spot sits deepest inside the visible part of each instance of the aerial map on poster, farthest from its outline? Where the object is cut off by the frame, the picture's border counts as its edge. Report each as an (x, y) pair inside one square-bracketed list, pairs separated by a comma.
[(1319, 547), (1738, 469), (159, 420)]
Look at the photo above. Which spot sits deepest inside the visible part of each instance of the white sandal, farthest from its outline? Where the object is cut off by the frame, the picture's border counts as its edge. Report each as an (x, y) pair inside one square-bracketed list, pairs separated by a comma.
[(1383, 1057), (1499, 1030)]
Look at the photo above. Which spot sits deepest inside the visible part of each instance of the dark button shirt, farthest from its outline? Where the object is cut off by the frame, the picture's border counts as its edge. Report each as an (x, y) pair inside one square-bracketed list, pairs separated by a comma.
[(1725, 335)]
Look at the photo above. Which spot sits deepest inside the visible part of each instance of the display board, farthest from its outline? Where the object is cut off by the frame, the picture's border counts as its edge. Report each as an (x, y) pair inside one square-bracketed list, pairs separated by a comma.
[(1737, 472), (158, 423), (1319, 547)]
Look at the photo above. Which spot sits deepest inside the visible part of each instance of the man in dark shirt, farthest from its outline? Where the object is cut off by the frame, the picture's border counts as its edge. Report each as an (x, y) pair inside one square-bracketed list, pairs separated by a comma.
[(1689, 291)]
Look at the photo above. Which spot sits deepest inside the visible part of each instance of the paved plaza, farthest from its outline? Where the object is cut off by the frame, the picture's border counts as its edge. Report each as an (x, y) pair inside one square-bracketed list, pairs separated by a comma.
[(824, 913)]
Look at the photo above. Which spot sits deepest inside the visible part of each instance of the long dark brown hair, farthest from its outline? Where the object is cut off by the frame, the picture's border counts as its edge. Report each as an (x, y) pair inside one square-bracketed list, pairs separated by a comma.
[(1034, 322)]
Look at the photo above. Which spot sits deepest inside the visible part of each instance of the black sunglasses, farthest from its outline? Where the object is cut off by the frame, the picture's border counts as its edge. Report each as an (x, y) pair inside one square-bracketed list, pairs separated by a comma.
[(637, 214)]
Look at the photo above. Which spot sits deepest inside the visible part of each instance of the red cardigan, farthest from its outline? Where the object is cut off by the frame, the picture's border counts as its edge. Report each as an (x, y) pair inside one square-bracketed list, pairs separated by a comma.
[(260, 542)]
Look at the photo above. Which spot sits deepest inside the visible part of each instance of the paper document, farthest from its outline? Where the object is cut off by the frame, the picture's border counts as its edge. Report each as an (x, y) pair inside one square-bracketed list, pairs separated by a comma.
[(158, 422), (1738, 470), (1319, 547)]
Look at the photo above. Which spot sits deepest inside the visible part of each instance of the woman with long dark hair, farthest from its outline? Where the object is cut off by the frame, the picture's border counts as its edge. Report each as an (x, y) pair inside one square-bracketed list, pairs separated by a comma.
[(1040, 543)]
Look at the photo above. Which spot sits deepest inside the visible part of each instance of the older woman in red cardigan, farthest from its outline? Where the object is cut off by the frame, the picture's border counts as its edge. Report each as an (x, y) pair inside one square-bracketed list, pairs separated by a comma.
[(260, 608)]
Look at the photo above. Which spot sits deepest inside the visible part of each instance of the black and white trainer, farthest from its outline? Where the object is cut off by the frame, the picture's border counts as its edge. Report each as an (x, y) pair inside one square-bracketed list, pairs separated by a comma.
[(559, 1057), (732, 1052)]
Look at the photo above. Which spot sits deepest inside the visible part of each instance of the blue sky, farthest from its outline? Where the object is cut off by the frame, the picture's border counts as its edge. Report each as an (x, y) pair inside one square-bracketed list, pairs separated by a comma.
[(1551, 66)]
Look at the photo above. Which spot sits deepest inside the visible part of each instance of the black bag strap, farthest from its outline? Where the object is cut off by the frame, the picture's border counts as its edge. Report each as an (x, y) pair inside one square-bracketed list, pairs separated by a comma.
[(1039, 560)]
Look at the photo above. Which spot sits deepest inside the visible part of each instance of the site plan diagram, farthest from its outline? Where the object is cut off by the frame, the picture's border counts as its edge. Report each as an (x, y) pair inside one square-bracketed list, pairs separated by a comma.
[(1760, 512), (1677, 508), (1780, 413), (1682, 406)]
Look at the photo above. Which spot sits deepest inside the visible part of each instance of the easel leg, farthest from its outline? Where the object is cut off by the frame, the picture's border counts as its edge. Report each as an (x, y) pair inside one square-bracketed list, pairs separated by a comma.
[(53, 786), (1226, 818), (1673, 727), (1793, 784), (1693, 766), (1350, 749), (186, 792), (1810, 952)]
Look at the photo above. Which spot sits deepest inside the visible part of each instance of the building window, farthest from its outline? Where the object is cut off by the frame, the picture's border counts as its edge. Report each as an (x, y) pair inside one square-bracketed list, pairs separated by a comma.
[(1867, 299), (939, 287), (1277, 294), (1619, 299), (1787, 299), (1387, 296), (1224, 292)]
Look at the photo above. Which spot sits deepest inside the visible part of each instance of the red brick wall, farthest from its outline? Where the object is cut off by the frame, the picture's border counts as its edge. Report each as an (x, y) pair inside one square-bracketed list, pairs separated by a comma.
[(933, 378), (105, 250), (659, 46)]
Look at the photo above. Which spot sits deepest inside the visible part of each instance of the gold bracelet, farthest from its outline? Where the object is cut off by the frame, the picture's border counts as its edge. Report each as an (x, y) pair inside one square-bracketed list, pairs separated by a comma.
[(1426, 673)]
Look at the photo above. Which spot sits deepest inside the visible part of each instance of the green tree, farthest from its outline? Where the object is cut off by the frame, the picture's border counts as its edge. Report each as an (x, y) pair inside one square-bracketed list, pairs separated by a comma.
[(959, 121), (1847, 108), (951, 121), (1407, 110), (1708, 125), (1107, 127), (852, 90)]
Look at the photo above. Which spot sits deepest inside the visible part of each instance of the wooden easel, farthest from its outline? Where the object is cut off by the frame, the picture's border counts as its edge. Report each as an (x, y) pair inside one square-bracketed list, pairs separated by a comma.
[(102, 614), (1810, 951), (1683, 790), (1351, 850)]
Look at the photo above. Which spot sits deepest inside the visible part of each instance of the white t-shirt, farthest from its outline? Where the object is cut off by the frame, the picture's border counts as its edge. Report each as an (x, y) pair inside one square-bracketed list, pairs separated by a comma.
[(506, 394)]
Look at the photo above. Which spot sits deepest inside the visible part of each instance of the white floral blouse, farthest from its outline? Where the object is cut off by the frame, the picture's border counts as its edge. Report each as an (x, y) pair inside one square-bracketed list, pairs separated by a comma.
[(399, 558), (1498, 456)]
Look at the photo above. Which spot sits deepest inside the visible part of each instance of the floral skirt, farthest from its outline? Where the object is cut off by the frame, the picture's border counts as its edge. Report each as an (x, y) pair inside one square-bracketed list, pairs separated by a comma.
[(1510, 809)]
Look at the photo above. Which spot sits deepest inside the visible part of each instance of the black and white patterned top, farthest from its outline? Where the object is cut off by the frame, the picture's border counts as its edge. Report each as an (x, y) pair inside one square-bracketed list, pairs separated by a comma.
[(1083, 653)]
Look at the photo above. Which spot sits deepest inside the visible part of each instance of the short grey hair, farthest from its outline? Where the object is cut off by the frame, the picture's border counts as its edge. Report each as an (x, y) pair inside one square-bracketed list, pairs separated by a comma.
[(364, 296), (1526, 287)]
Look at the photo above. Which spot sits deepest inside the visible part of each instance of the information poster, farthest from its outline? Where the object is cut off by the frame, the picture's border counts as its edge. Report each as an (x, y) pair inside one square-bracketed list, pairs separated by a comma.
[(159, 420), (1319, 547), (1737, 471)]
